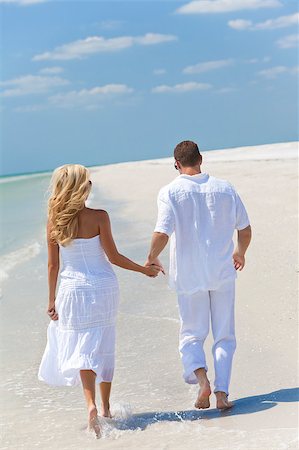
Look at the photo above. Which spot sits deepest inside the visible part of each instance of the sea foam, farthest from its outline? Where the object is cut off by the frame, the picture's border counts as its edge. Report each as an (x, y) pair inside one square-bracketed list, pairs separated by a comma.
[(10, 260)]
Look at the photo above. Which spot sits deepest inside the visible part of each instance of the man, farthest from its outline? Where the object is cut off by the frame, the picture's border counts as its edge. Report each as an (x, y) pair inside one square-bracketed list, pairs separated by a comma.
[(200, 213)]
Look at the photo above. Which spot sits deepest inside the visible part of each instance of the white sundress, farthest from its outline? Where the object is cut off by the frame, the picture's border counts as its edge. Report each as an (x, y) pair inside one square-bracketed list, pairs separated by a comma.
[(83, 337)]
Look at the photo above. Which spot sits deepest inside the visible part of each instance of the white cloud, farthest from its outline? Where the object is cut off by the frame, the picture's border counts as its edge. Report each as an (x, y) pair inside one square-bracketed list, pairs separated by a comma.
[(279, 22), (207, 66), (30, 84), (290, 41), (224, 6), (97, 44), (51, 70), (154, 38), (89, 98), (159, 72), (240, 24), (181, 88), (274, 72), (264, 60), (271, 24), (23, 2)]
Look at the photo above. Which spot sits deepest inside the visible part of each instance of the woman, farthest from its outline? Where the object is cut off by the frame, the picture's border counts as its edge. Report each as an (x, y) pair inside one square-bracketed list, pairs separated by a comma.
[(81, 334)]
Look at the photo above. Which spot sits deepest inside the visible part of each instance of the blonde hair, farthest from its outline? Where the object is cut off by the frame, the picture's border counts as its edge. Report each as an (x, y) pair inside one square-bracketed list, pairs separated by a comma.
[(70, 187)]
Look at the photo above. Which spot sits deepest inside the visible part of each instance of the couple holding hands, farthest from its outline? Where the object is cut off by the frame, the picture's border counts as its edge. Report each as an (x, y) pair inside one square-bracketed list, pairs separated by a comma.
[(199, 214)]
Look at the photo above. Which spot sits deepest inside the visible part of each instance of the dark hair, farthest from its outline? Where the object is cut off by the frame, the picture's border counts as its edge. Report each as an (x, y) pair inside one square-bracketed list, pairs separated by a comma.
[(187, 153)]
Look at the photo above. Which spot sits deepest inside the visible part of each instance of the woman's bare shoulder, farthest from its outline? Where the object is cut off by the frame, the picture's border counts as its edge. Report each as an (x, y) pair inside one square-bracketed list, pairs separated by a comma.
[(99, 214)]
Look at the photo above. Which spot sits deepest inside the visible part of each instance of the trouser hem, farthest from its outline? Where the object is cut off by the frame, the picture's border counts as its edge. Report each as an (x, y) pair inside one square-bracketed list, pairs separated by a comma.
[(221, 389), (190, 377)]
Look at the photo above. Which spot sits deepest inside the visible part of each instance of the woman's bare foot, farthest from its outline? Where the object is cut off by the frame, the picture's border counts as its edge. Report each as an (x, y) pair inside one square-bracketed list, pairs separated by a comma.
[(93, 421), (222, 401), (105, 411), (203, 399)]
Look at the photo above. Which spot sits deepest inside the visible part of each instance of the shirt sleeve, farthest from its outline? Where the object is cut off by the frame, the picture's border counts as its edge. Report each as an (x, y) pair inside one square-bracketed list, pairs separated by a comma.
[(165, 221), (242, 220)]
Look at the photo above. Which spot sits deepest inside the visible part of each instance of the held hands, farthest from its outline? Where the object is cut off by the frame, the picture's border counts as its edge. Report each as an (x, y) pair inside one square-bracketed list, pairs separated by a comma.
[(152, 270), (156, 262), (51, 311), (239, 260)]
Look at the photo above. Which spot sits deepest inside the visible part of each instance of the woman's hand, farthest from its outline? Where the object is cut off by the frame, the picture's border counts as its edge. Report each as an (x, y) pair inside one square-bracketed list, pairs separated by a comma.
[(152, 271), (51, 311)]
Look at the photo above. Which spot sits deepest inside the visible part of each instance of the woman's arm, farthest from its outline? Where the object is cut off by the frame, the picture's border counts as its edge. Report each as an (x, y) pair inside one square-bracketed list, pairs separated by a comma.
[(53, 270), (113, 254)]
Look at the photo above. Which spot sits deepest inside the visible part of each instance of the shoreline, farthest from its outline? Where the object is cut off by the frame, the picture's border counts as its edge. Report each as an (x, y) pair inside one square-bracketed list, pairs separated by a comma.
[(220, 154)]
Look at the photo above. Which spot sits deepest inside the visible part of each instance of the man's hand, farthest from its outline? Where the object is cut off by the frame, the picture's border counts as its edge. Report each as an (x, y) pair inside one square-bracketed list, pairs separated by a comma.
[(239, 260), (244, 238), (156, 262)]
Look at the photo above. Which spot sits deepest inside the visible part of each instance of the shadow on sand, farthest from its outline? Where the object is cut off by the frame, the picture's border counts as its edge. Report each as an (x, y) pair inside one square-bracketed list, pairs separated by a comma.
[(246, 405)]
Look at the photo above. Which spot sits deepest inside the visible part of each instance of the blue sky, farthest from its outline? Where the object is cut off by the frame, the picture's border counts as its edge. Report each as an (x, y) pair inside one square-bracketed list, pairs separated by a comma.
[(102, 82)]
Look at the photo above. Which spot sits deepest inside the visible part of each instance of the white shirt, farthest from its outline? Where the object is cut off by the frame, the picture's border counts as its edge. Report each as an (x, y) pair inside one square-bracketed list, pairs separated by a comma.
[(200, 213)]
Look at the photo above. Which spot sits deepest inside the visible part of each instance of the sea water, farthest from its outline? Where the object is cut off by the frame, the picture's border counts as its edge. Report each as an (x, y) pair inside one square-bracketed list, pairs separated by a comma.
[(152, 407), (23, 210)]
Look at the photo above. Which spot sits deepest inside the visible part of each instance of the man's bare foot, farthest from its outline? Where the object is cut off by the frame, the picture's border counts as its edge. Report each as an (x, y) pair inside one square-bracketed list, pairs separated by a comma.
[(203, 399), (222, 401), (105, 411), (93, 421)]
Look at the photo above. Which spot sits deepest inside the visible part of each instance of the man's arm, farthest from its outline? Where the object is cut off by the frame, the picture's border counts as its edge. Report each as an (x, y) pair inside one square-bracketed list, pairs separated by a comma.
[(159, 242), (244, 238), (164, 228)]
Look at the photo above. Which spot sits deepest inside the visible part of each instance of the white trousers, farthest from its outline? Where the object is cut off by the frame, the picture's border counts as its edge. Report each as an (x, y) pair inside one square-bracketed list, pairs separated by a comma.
[(195, 313)]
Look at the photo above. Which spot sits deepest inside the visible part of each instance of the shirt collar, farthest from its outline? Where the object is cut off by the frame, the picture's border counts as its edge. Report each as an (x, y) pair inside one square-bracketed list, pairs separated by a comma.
[(198, 176)]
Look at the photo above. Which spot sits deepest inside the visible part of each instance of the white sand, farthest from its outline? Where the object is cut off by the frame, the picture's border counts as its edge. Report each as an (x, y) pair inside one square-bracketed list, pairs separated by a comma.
[(148, 369)]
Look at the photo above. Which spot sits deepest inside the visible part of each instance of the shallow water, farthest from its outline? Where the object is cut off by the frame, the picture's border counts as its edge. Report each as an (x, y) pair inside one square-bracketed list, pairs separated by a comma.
[(152, 407)]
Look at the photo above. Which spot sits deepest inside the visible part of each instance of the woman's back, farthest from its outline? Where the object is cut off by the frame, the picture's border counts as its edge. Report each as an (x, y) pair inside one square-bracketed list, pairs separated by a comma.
[(88, 223), (84, 258)]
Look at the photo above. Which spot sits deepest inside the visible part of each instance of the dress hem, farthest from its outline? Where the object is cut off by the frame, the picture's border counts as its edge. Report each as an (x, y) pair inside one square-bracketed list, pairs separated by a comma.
[(75, 380)]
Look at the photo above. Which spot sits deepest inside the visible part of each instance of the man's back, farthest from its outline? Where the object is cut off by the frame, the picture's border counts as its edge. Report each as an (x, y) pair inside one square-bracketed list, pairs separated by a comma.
[(202, 212)]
